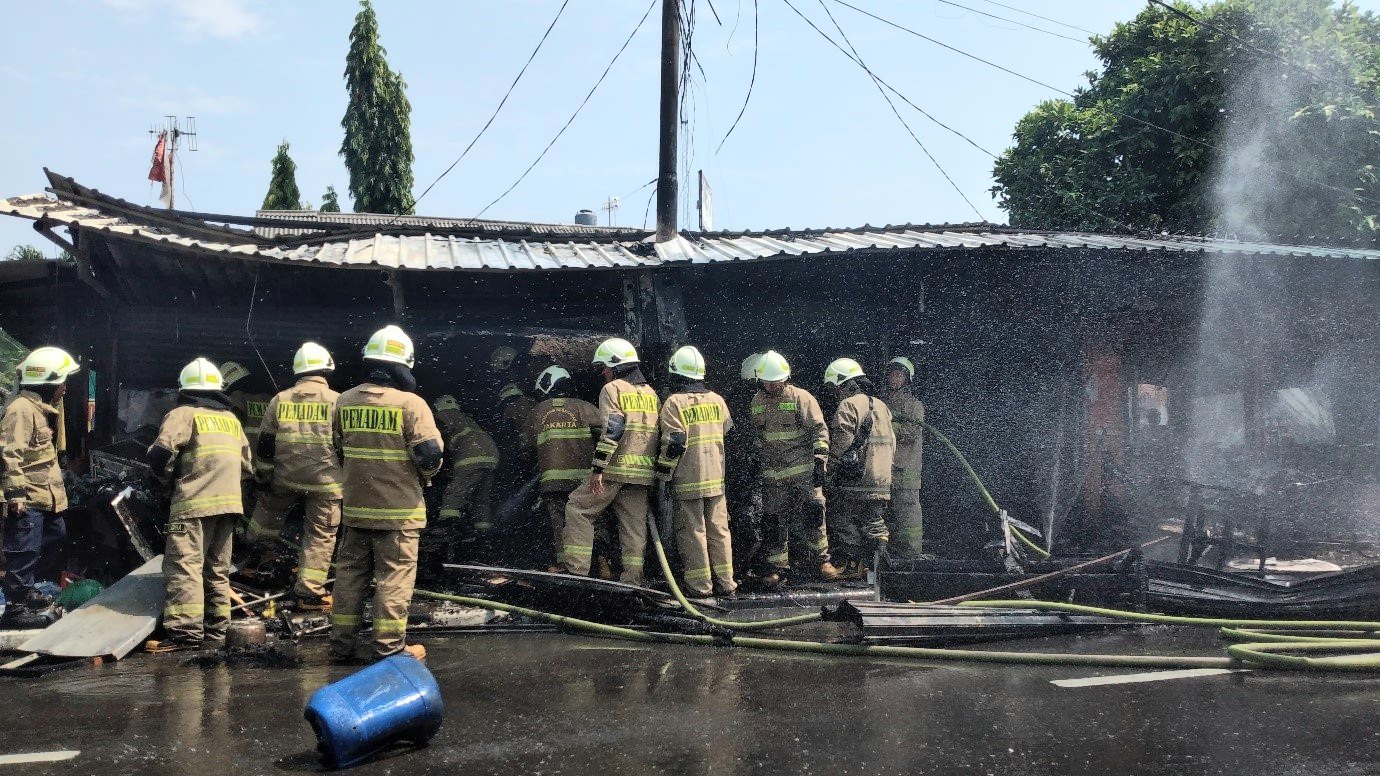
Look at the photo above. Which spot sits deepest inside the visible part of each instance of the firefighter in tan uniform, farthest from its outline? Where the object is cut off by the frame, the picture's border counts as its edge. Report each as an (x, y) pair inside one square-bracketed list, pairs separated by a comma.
[(694, 421), (250, 405), (623, 465), (471, 457), (202, 455), (389, 441), (862, 446), (906, 521), (560, 431), (794, 443), (296, 459), (31, 440)]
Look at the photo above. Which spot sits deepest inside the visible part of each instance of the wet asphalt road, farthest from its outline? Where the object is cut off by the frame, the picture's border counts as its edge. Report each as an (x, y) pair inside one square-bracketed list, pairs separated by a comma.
[(558, 704)]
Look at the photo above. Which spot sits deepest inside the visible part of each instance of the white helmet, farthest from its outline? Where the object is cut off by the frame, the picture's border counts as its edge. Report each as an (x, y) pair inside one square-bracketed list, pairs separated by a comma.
[(901, 362), (772, 368), (841, 370), (549, 377), (446, 402), (749, 368), (201, 375), (47, 366), (688, 362), (311, 357), (232, 372), (501, 360), (615, 352), (391, 344)]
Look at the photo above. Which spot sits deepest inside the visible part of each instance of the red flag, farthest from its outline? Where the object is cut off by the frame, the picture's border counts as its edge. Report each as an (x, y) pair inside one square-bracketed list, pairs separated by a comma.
[(160, 153)]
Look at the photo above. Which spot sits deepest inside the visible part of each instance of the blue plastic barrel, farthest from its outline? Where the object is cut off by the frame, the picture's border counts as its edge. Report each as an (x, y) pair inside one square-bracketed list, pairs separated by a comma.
[(395, 699)]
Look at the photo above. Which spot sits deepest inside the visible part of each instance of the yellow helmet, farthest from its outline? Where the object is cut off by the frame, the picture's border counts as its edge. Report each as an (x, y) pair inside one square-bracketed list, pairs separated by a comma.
[(47, 366), (232, 372), (901, 362), (615, 352), (749, 369), (841, 370), (446, 402), (549, 377), (688, 362), (501, 360), (311, 357), (391, 344), (772, 368), (201, 375)]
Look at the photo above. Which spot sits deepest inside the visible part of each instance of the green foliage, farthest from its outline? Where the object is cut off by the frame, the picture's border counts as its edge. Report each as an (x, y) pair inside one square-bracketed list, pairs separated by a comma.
[(378, 120), (11, 353), (24, 253), (283, 193), (1294, 153), (330, 203)]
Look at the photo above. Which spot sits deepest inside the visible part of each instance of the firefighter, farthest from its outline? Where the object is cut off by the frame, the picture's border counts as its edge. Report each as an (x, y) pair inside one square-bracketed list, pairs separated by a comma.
[(31, 442), (513, 402), (202, 456), (250, 405), (906, 521), (794, 444), (862, 446), (693, 423), (744, 488), (388, 439), (471, 457), (560, 431), (295, 457), (623, 465)]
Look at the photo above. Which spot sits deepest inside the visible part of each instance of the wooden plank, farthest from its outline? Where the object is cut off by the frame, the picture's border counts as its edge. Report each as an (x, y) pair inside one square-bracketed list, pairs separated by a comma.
[(110, 625)]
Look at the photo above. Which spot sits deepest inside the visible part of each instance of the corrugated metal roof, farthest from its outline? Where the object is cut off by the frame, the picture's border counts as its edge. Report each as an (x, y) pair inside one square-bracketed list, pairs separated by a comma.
[(448, 252), (364, 220)]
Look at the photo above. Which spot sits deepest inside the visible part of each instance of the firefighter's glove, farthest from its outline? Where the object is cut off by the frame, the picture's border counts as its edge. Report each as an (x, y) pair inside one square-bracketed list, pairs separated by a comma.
[(821, 472)]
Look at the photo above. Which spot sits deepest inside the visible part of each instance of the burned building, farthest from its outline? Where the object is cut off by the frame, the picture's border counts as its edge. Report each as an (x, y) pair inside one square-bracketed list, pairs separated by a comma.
[(1098, 383)]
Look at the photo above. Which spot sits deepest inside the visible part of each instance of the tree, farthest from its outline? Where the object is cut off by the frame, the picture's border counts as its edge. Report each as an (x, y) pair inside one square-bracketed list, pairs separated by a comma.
[(378, 140), (1280, 144), (330, 202), (283, 193), (24, 253)]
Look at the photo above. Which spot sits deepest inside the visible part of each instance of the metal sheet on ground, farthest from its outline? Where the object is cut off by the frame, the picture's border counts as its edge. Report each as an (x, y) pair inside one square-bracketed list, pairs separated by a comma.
[(110, 625), (1151, 676)]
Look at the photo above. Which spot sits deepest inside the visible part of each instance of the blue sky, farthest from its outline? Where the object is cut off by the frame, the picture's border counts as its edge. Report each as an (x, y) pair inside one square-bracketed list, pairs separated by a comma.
[(82, 81)]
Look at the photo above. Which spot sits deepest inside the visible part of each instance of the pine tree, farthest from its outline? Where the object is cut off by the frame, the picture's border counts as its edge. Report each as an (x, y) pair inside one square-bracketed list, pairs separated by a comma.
[(378, 120), (330, 203), (282, 187)]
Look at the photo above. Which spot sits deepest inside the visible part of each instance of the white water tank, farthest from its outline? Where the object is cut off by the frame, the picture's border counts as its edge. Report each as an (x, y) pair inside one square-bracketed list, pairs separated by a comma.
[(586, 218)]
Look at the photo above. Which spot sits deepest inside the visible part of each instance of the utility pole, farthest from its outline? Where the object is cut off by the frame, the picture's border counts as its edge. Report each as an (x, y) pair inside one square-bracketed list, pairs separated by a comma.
[(667, 184), (611, 206)]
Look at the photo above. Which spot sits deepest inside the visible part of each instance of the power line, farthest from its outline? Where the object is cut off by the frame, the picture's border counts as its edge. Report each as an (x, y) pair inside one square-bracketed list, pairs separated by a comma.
[(751, 82), (1037, 16), (858, 58), (1315, 75), (1013, 21), (967, 139), (578, 108), (1120, 114), (501, 103)]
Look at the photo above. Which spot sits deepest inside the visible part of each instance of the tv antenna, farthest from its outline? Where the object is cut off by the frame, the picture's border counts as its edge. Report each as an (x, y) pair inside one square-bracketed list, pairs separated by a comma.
[(173, 131)]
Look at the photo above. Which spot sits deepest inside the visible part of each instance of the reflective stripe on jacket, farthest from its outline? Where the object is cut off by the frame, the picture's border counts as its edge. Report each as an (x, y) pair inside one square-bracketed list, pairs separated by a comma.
[(792, 431), (704, 418), (907, 418), (562, 431), (300, 418), (376, 429), (630, 459), (210, 459)]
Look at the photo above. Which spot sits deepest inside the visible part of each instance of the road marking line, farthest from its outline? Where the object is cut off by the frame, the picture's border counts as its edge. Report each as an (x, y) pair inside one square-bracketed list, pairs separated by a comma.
[(38, 757), (1153, 676)]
